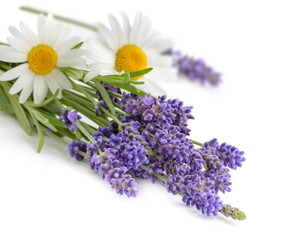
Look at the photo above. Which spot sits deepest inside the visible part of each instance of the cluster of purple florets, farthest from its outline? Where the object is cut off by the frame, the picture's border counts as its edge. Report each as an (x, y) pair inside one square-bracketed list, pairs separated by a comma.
[(70, 117), (153, 143), (195, 69)]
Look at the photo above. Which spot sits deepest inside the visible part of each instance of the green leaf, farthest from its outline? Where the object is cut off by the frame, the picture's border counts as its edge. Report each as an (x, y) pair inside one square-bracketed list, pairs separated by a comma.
[(77, 46), (111, 79), (140, 73), (46, 102), (80, 89), (136, 82), (43, 120), (106, 97), (131, 88), (39, 131), (4, 102), (17, 108)]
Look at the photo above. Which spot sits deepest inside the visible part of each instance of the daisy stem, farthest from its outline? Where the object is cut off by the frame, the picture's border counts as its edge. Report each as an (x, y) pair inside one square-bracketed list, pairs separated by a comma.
[(4, 66), (60, 18)]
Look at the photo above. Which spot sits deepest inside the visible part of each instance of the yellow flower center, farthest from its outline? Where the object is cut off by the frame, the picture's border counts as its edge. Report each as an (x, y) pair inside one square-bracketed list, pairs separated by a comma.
[(130, 58), (42, 59)]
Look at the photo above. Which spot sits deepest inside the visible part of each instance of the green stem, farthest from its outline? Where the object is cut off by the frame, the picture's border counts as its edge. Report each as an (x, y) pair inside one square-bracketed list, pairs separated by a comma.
[(85, 111), (60, 18), (110, 115), (85, 132), (54, 136), (4, 66), (162, 178), (83, 154), (200, 144)]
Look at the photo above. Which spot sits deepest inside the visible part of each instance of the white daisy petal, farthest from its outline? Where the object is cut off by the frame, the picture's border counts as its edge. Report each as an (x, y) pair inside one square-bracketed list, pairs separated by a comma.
[(67, 45), (9, 54), (28, 88), (98, 69), (91, 74), (41, 22), (28, 35), (126, 25), (109, 37), (155, 45), (151, 87), (159, 60), (21, 82), (71, 62), (64, 31), (61, 79), (143, 31), (162, 74), (100, 56), (117, 30), (53, 36), (14, 72), (19, 45), (52, 84), (98, 44), (40, 89), (133, 35), (16, 33)]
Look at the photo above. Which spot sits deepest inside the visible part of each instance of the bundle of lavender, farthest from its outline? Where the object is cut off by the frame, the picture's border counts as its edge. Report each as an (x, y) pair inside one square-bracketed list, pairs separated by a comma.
[(107, 120)]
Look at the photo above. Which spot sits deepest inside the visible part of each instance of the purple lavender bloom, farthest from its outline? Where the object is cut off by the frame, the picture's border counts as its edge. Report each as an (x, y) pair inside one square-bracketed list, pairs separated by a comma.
[(195, 69), (198, 191), (69, 117), (74, 147), (230, 155), (113, 171), (148, 100)]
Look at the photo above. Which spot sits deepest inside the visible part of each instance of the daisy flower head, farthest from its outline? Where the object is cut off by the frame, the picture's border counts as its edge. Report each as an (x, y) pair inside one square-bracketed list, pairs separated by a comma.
[(127, 48), (40, 59)]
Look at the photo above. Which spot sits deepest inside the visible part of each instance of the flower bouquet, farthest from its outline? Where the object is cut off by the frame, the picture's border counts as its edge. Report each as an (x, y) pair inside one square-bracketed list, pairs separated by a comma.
[(106, 111)]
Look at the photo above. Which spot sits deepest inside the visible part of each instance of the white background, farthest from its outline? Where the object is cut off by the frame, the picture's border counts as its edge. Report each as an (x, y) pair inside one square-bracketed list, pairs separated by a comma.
[(51, 196)]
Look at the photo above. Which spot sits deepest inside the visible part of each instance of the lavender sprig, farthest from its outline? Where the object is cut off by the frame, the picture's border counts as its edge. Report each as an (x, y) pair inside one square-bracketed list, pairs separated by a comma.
[(195, 69)]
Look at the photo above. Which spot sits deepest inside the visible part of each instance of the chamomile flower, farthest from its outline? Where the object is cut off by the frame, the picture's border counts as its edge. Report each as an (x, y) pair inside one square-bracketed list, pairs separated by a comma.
[(40, 59), (127, 48)]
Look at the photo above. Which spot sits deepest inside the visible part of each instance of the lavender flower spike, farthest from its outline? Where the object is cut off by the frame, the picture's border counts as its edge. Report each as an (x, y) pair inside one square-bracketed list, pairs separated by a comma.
[(235, 213), (195, 69), (74, 147), (69, 117)]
